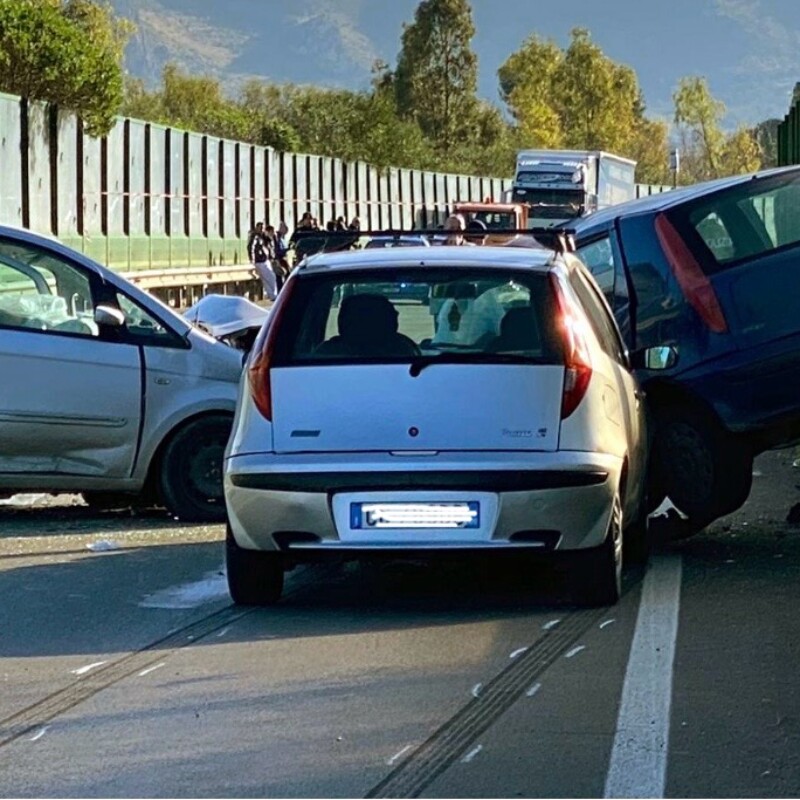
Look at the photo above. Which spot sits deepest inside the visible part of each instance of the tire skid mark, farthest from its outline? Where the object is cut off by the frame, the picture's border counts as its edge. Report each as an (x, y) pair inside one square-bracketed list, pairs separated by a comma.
[(447, 744), (37, 715)]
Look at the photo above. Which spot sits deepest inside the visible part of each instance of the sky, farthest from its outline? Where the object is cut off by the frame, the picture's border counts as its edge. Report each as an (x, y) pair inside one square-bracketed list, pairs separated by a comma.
[(749, 50)]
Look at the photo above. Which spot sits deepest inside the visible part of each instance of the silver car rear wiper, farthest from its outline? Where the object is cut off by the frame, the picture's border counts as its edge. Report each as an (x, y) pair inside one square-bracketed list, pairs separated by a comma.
[(421, 362)]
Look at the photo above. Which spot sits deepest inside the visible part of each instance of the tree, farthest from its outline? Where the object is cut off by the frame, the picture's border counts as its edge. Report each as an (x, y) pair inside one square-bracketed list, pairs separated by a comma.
[(707, 151), (766, 135), (699, 114), (67, 53), (598, 101), (740, 153), (527, 86), (579, 98), (437, 72)]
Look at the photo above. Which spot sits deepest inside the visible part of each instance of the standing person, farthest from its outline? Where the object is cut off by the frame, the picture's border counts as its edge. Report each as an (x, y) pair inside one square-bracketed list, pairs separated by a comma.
[(355, 225), (260, 251), (281, 253), (455, 225)]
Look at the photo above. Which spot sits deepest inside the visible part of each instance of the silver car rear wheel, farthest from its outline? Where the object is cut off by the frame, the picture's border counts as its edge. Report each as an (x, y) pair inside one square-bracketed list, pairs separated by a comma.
[(255, 578), (598, 572)]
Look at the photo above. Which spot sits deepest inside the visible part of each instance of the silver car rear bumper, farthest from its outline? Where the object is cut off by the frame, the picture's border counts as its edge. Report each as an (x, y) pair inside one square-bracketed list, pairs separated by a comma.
[(538, 501)]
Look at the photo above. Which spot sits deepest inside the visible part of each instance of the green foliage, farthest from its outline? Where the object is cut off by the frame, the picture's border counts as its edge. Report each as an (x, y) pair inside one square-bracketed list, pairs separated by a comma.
[(66, 53), (437, 72), (580, 99), (766, 136), (706, 150), (424, 114)]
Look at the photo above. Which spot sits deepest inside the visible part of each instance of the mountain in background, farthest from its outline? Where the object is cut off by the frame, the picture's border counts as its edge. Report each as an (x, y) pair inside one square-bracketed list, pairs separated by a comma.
[(748, 49)]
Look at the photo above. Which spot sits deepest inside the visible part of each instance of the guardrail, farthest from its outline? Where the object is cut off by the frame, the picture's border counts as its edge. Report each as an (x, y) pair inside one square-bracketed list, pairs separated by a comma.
[(181, 288)]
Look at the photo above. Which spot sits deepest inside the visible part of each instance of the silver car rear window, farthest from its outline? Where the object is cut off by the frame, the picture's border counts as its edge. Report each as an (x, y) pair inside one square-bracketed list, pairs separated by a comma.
[(390, 315)]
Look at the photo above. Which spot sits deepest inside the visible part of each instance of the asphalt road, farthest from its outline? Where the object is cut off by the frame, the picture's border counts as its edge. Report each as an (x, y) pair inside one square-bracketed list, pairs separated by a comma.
[(125, 670)]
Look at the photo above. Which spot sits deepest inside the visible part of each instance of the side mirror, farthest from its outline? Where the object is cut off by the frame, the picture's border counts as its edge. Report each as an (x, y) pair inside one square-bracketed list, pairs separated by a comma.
[(109, 316), (655, 358)]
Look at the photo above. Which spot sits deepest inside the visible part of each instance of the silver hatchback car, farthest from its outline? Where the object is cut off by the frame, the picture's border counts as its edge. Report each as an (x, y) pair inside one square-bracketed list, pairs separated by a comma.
[(503, 417)]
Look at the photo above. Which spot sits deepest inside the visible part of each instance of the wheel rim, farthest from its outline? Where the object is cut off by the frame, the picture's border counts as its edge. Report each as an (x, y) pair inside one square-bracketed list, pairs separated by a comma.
[(204, 470), (616, 538)]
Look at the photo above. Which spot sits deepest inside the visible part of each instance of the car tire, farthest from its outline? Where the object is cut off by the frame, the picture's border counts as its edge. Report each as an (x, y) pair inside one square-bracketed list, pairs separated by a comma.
[(638, 540), (190, 476), (597, 575), (255, 578), (699, 468)]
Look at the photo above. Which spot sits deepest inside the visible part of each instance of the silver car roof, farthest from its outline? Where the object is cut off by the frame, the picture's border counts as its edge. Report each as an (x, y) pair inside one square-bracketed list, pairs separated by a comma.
[(464, 257)]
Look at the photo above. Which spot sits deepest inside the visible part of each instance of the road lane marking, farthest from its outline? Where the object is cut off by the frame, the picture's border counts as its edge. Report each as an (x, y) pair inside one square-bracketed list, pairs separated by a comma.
[(476, 689), (397, 756), (607, 623), (222, 633), (518, 652), (575, 651), (87, 668), (472, 753), (638, 764), (151, 669), (550, 625), (39, 735), (533, 690)]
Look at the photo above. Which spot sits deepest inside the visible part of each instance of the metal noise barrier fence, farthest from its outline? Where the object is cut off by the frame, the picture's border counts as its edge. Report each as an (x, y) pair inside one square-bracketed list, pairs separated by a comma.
[(158, 202), (152, 197), (789, 133)]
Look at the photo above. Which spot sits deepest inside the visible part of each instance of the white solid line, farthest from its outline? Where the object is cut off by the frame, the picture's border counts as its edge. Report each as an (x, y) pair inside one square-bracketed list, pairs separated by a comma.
[(518, 652), (399, 755), (84, 670), (472, 753), (638, 766), (151, 669), (606, 623), (532, 691), (476, 689), (548, 625), (39, 735), (575, 651)]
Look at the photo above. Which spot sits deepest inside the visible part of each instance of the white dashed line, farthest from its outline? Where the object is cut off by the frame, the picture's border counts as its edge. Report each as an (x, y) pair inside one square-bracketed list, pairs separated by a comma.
[(575, 651), (87, 668), (476, 689), (549, 625), (638, 765), (222, 633), (518, 652), (398, 756), (607, 623), (533, 690), (472, 753), (151, 669)]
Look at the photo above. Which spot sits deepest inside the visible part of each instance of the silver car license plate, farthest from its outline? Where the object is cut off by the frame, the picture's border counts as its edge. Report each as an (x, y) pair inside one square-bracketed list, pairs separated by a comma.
[(423, 515)]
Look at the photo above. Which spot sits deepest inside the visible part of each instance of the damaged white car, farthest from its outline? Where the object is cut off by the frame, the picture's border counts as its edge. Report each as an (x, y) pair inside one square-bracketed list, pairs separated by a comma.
[(105, 390)]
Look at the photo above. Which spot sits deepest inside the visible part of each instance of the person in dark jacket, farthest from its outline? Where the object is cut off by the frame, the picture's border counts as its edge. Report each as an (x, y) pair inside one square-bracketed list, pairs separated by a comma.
[(261, 252)]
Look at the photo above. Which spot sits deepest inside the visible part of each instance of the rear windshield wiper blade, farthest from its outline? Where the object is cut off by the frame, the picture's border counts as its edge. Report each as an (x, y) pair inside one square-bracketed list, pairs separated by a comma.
[(421, 362)]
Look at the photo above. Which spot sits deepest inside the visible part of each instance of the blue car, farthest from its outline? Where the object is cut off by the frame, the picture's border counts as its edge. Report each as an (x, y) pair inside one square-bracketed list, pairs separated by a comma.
[(710, 273)]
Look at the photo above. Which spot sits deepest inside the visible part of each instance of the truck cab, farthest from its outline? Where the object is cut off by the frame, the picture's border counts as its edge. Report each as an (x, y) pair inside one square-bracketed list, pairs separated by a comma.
[(495, 216), (559, 185)]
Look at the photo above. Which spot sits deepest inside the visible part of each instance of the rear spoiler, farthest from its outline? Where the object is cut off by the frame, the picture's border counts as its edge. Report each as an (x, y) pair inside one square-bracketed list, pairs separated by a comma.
[(312, 242)]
